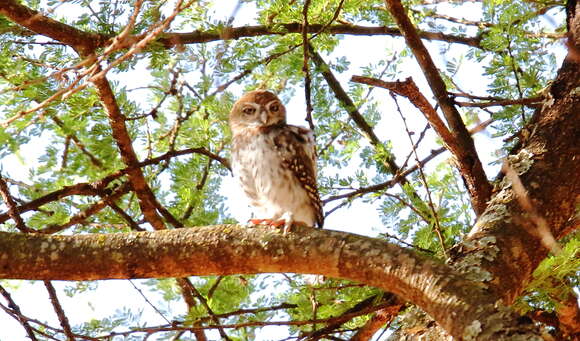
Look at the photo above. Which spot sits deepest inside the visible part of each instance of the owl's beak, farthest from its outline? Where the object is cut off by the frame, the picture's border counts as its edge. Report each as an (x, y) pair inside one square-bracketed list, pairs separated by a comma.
[(264, 116)]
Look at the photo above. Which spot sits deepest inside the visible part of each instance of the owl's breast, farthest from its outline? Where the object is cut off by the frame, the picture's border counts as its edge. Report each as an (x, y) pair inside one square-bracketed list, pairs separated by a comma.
[(261, 172), (256, 160)]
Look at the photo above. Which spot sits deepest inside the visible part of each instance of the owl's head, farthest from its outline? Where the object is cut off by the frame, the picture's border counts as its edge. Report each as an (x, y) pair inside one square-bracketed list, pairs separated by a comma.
[(258, 108)]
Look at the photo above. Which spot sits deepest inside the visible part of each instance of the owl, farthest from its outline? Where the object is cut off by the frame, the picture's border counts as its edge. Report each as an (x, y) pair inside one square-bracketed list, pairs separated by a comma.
[(274, 162)]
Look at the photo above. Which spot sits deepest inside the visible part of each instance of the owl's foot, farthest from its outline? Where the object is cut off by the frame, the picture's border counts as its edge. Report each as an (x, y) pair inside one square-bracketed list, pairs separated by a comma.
[(268, 222), (276, 224), (286, 223), (256, 222)]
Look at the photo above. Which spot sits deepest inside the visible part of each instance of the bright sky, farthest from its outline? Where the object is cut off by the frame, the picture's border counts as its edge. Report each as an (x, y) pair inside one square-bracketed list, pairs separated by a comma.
[(363, 218)]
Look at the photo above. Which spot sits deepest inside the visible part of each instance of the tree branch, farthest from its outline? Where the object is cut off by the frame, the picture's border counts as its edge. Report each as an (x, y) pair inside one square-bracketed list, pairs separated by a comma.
[(531, 102), (59, 311), (215, 250), (197, 37), (549, 156), (18, 314), (349, 106), (469, 163), (147, 200), (12, 209), (381, 318), (83, 42)]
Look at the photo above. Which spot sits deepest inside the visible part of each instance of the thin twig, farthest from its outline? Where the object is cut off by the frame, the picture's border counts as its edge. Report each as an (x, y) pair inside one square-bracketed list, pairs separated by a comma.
[(65, 153), (12, 207), (347, 103), (516, 76), (424, 179), (149, 302), (398, 178), (44, 326), (98, 187), (305, 69), (18, 314), (331, 320), (128, 219), (95, 208), (210, 312), (96, 162)]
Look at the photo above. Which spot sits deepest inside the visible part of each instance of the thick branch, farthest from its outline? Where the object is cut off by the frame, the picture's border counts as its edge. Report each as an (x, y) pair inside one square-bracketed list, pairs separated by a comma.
[(457, 304), (547, 164), (469, 163), (84, 42)]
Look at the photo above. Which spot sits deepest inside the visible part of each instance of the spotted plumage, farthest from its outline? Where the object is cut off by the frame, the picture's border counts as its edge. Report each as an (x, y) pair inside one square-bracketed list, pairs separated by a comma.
[(274, 162)]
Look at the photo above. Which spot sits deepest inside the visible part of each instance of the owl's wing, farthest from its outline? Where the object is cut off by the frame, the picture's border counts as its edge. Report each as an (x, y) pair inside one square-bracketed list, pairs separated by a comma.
[(297, 149)]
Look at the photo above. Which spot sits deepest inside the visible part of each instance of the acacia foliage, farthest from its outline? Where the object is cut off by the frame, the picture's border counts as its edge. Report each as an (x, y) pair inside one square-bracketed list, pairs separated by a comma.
[(176, 98)]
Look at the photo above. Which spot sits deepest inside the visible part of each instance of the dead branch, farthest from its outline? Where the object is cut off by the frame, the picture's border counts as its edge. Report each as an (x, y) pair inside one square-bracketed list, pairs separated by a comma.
[(540, 225)]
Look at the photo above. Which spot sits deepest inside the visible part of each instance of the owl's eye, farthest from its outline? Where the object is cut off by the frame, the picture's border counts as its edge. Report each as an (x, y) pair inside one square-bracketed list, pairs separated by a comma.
[(249, 111), (274, 107)]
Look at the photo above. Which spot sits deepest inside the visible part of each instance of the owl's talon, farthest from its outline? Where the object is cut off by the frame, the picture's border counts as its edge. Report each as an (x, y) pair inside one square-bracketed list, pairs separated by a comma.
[(287, 228)]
